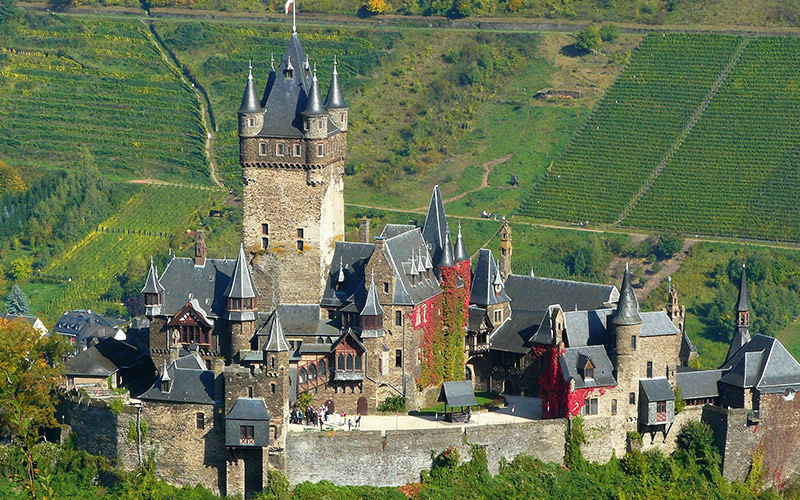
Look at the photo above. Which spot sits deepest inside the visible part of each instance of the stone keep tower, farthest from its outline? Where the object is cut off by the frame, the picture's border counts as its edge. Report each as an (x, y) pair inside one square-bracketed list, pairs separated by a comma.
[(292, 151)]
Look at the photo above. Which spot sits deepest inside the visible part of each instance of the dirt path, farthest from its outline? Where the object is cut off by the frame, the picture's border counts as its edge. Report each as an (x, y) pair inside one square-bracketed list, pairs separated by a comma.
[(156, 182), (204, 115), (487, 169)]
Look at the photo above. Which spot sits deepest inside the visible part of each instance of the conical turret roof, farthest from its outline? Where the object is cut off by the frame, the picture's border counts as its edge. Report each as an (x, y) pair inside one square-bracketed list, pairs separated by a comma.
[(241, 285), (314, 106), (743, 302), (152, 284), (446, 259), (276, 342), (627, 312), (372, 307), (461, 251), (335, 98), (250, 102)]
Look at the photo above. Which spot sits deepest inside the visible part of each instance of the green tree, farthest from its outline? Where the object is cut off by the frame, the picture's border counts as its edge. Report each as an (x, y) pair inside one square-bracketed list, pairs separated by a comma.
[(668, 244), (377, 6), (21, 268), (17, 303), (462, 8), (609, 33), (589, 40), (8, 10)]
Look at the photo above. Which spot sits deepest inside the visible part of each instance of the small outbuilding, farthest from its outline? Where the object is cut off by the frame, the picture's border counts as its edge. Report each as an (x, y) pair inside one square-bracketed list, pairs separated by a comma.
[(247, 424), (457, 395), (656, 404)]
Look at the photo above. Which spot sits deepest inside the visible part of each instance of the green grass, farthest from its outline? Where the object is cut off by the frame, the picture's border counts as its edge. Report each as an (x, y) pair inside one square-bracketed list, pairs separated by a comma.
[(790, 338)]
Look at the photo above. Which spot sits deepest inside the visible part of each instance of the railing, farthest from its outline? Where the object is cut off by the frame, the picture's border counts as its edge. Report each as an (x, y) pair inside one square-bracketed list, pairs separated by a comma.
[(479, 348), (661, 416), (247, 440)]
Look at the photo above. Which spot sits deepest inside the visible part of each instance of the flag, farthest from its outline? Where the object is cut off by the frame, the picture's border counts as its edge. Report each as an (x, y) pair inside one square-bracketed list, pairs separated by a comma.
[(288, 4)]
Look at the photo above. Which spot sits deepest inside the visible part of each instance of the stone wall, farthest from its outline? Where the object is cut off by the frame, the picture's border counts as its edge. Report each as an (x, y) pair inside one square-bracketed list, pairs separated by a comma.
[(396, 458)]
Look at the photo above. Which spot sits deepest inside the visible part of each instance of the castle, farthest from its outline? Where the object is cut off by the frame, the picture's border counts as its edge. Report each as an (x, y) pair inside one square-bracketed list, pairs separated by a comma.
[(302, 311)]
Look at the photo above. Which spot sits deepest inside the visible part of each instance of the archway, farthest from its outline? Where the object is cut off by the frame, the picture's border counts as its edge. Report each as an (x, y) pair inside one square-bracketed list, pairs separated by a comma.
[(330, 405), (508, 387), (467, 373), (362, 407)]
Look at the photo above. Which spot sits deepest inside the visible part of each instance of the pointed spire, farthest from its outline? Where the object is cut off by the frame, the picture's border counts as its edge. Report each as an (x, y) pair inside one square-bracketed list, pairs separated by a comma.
[(270, 81), (428, 263), (372, 307), (461, 251), (627, 312), (314, 106), (276, 342), (165, 373), (414, 268), (335, 98), (241, 285), (340, 277), (743, 302), (435, 227), (446, 259), (152, 284), (420, 262), (250, 102)]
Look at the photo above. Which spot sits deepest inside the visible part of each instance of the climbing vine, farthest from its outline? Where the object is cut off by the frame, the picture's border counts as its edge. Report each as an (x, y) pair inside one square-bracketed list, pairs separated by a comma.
[(557, 398), (443, 331)]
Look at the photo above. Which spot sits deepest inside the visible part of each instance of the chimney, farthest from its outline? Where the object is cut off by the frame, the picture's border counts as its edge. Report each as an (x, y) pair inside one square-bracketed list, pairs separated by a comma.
[(200, 248), (363, 230), (379, 242)]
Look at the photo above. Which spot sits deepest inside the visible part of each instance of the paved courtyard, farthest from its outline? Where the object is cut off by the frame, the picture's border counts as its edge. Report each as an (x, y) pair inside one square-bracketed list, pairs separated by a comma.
[(517, 409)]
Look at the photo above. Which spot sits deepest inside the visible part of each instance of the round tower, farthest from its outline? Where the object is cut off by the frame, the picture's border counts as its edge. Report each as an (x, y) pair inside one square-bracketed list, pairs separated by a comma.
[(251, 114), (626, 324), (335, 103)]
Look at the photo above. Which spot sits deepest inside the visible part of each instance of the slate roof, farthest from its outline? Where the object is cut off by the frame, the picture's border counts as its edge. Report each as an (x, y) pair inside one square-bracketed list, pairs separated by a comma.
[(740, 337), (763, 363), (476, 315), (250, 102), (314, 106), (276, 341), (372, 307), (302, 319), (657, 389), (103, 359), (249, 409), (151, 284), (335, 98), (460, 251), (482, 292), (515, 332), (743, 301), (241, 285), (698, 384), (627, 312), (183, 280), (392, 230), (435, 227), (573, 362), (270, 80), (288, 96), (84, 324), (657, 323), (350, 259), (398, 252), (447, 257), (585, 327), (191, 383), (459, 393), (532, 293), (34, 321)]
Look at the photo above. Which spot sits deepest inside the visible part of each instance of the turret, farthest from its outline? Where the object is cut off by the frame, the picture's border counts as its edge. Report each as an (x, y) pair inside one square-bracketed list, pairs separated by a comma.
[(335, 103), (461, 251), (276, 340), (153, 292), (270, 80), (505, 250), (241, 305), (626, 324), (251, 114), (742, 334), (315, 121), (372, 312), (446, 259)]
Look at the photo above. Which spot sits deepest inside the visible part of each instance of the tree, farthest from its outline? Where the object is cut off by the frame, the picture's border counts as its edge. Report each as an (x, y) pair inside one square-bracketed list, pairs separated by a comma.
[(377, 6), (8, 10), (609, 33), (17, 303), (589, 40), (462, 8), (668, 244), (21, 268)]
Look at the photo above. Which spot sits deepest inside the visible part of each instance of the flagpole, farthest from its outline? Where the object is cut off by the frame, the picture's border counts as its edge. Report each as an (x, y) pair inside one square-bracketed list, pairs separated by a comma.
[(294, 16)]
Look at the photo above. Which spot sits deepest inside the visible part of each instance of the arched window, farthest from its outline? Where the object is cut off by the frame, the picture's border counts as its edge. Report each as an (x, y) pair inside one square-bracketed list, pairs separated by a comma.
[(303, 376), (358, 362), (272, 361), (312, 372), (349, 361), (340, 362), (323, 368)]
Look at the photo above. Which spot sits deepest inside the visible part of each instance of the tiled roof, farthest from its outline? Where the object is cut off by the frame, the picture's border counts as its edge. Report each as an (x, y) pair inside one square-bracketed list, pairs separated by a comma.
[(573, 362), (183, 281), (483, 279)]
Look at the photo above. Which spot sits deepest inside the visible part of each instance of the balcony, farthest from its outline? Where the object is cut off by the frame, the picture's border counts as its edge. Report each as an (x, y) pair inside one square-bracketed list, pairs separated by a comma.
[(348, 375)]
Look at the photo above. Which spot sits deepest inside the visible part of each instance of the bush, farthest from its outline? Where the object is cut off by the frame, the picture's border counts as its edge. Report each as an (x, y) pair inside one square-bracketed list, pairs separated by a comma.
[(393, 404), (668, 244), (609, 33), (8, 10), (680, 403), (116, 406), (589, 40)]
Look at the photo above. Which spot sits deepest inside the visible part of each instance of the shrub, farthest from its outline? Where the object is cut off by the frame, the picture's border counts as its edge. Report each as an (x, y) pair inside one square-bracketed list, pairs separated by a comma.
[(589, 39), (668, 244), (609, 32), (377, 6), (680, 403), (393, 404), (574, 436), (116, 406)]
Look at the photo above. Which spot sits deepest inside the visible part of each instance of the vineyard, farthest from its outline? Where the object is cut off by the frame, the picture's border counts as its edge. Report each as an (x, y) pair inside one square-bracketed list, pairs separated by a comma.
[(732, 173), (143, 227), (68, 83)]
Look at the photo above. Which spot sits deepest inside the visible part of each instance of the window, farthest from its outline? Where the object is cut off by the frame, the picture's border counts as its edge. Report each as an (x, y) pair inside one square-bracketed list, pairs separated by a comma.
[(398, 318), (280, 149), (349, 362), (264, 243), (312, 372), (300, 232), (385, 287), (398, 358), (193, 334), (633, 342), (323, 368), (262, 148), (246, 434), (649, 369), (250, 392), (265, 228), (340, 362), (303, 376), (299, 245), (661, 411), (498, 316), (272, 362), (272, 387), (151, 299), (199, 421), (613, 406), (251, 122), (296, 150), (320, 150), (632, 398), (588, 373), (235, 304), (590, 406), (358, 363)]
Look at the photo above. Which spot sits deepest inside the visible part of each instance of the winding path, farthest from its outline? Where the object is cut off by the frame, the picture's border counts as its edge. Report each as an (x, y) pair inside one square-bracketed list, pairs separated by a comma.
[(487, 169)]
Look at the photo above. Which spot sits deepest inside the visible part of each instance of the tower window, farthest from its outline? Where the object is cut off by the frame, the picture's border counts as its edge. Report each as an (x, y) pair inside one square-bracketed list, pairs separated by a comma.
[(265, 228), (280, 149), (297, 150), (199, 421), (613, 406), (272, 387), (385, 287), (398, 358), (498, 316), (398, 318), (250, 392), (633, 342), (299, 232), (632, 398), (251, 122), (264, 243), (649, 369), (262, 148), (320, 150), (299, 245)]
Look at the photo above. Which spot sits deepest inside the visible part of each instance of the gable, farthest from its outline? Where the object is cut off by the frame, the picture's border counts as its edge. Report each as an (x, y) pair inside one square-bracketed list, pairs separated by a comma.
[(188, 317)]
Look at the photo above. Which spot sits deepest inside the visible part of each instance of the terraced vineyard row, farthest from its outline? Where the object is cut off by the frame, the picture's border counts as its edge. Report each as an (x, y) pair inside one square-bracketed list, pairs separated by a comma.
[(631, 129), (738, 171), (92, 264), (68, 83)]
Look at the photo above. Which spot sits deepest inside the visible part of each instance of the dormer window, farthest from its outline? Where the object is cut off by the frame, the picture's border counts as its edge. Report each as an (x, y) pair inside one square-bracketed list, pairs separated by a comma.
[(165, 385), (152, 299), (497, 289), (588, 370)]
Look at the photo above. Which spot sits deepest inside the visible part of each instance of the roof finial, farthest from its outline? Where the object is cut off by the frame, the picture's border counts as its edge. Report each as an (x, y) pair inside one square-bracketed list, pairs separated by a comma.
[(315, 71), (272, 60), (335, 64), (669, 284), (250, 68)]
